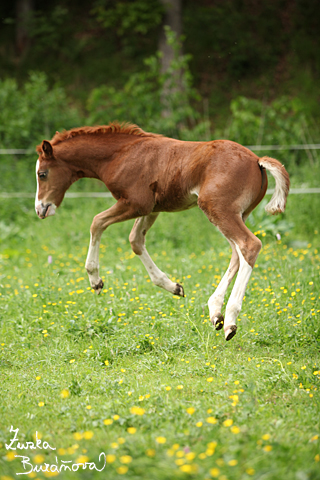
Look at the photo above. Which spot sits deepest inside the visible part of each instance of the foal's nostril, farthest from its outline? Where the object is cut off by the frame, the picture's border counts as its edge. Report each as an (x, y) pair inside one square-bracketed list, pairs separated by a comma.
[(42, 210), (45, 209)]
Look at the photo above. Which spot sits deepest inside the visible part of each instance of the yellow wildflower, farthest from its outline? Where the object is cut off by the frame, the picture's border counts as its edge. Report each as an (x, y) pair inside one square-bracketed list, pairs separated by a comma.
[(212, 420), (38, 459), (122, 470), (150, 452), (108, 421), (190, 410), (125, 459), (161, 440), (110, 458), (250, 471), (228, 422), (82, 459), (267, 448), (137, 411), (235, 429), (214, 472)]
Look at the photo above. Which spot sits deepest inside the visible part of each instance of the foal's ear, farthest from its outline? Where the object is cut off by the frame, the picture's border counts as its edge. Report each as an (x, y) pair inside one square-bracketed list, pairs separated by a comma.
[(46, 148)]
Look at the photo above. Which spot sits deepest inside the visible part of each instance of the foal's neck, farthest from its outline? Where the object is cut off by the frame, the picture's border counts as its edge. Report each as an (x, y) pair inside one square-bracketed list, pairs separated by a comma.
[(90, 155)]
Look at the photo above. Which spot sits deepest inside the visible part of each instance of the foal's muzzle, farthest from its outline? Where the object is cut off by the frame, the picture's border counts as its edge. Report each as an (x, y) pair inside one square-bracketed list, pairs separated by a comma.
[(46, 210)]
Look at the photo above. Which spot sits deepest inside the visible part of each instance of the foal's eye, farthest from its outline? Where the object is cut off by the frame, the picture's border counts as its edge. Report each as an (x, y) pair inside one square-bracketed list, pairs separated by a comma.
[(42, 175)]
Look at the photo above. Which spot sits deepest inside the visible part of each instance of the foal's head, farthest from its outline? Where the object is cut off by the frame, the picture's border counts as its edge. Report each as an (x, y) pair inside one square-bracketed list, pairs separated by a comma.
[(54, 177)]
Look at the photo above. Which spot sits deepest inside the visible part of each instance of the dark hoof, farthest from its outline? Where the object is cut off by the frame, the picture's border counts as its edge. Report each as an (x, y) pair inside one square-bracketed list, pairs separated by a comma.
[(97, 288), (179, 290), (230, 332), (218, 322)]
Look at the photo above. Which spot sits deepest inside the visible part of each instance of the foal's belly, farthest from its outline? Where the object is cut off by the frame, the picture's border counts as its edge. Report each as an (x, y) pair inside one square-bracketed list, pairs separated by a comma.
[(176, 204)]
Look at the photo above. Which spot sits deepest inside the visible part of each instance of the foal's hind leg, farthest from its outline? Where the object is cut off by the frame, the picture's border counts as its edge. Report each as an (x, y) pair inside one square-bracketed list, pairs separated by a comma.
[(137, 240), (216, 300), (247, 247)]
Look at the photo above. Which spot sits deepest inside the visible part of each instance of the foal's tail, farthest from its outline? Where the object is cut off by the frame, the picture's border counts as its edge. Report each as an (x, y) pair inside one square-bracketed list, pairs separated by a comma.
[(278, 200)]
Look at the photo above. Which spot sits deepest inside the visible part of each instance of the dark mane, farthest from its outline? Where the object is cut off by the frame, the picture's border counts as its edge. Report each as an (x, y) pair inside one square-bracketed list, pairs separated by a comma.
[(114, 127)]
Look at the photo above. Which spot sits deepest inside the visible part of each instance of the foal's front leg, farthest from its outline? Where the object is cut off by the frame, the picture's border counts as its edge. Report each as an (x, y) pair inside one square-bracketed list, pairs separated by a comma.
[(92, 263), (137, 240), (117, 213)]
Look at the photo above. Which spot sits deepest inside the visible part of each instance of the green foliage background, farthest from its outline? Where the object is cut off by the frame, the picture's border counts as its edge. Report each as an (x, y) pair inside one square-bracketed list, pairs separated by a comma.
[(136, 372), (262, 50)]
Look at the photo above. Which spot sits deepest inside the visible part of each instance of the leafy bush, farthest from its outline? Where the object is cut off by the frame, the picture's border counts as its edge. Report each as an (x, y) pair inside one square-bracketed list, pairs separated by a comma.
[(140, 16), (34, 112), (164, 103), (160, 102), (262, 224), (283, 122), (27, 116)]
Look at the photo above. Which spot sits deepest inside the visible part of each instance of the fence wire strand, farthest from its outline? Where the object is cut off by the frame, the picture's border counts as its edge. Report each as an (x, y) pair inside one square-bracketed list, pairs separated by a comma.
[(293, 191)]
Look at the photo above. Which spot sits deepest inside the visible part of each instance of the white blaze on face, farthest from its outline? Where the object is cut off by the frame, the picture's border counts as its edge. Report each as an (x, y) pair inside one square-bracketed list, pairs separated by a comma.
[(37, 203), (41, 206)]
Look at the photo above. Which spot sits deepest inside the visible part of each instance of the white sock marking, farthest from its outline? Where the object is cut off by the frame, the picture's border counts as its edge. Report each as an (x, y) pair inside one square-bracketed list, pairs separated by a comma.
[(157, 276), (215, 302), (92, 262), (235, 301)]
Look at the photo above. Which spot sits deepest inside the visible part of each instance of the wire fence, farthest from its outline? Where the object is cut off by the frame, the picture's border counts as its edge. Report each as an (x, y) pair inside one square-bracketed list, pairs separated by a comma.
[(304, 146), (293, 191)]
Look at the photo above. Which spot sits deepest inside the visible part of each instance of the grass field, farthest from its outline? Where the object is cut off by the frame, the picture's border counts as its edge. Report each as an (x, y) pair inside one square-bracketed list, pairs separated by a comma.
[(142, 376)]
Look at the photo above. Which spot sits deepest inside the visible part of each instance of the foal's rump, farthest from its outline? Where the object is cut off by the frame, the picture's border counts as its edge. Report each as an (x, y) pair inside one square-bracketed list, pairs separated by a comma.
[(233, 181)]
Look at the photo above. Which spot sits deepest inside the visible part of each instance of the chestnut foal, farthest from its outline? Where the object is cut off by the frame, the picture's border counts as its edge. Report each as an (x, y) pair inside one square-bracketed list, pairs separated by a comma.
[(148, 174)]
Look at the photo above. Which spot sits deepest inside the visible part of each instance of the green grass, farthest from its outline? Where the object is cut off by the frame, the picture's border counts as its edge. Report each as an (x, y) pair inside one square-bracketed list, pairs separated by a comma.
[(73, 364)]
